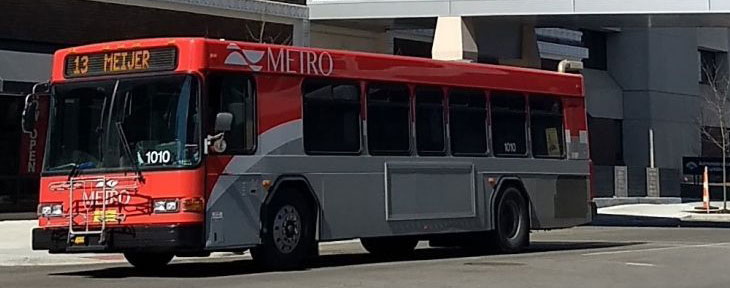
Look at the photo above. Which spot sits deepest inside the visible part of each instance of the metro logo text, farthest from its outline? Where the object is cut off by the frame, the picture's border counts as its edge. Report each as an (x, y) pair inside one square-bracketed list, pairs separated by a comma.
[(301, 62), (287, 60)]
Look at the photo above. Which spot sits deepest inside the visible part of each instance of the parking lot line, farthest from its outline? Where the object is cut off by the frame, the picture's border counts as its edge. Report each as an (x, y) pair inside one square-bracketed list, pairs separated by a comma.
[(654, 249)]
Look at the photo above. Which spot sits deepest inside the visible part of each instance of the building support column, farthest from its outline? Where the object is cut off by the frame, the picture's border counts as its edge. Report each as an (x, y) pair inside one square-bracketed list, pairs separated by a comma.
[(453, 40), (300, 33)]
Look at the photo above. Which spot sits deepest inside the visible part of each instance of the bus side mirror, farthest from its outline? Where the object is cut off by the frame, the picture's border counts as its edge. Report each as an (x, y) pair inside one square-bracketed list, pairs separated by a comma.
[(30, 113), (223, 122), (222, 125)]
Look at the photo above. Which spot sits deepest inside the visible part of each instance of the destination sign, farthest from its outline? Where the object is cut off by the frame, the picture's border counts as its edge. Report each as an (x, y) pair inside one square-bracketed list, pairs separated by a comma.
[(121, 62)]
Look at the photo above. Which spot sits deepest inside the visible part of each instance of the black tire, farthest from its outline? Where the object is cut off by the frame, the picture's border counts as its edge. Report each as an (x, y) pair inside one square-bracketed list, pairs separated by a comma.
[(148, 261), (390, 246), (288, 236), (512, 222)]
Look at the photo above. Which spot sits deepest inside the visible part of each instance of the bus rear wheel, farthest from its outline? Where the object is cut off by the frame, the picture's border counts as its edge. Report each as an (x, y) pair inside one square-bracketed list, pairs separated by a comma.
[(148, 261), (512, 224), (389, 246), (289, 233)]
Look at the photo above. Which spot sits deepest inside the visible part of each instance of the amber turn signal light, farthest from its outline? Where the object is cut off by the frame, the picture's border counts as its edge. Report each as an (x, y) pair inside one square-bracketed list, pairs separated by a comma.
[(195, 205)]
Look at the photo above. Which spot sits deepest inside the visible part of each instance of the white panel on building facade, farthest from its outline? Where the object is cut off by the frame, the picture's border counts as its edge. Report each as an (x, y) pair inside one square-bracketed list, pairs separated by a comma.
[(644, 6), (363, 9), (510, 7), (336, 9)]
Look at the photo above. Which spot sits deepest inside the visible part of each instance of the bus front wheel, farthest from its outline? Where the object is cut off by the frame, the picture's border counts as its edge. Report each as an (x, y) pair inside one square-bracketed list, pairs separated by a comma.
[(512, 224), (148, 261), (289, 233)]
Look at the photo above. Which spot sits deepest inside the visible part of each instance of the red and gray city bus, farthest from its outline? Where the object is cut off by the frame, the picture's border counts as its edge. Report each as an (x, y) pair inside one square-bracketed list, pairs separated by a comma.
[(184, 146)]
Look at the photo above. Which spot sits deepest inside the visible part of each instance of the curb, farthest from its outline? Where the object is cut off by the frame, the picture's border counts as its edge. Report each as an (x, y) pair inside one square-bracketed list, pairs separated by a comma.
[(651, 221), (602, 202)]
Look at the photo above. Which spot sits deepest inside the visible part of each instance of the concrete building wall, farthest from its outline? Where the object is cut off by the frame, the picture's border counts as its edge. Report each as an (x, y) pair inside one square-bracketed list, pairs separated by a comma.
[(657, 70), (333, 37)]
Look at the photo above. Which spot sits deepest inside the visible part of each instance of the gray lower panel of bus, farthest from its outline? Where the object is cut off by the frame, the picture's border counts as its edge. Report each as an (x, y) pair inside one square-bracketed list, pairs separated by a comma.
[(402, 198), (232, 212)]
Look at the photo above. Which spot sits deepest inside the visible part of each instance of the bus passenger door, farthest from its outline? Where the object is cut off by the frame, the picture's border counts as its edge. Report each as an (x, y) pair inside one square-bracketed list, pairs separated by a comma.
[(234, 196)]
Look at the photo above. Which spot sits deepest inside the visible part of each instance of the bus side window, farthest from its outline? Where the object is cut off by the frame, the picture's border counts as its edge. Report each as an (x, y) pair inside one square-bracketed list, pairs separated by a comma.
[(467, 122), (388, 119), (331, 117), (430, 139), (508, 124), (546, 126), (235, 94)]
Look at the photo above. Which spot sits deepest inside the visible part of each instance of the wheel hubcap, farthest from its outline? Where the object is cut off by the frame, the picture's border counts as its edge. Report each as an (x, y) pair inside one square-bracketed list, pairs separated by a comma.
[(287, 229)]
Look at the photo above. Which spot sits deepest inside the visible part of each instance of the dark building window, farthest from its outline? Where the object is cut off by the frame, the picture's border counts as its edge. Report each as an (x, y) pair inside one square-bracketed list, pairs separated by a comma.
[(606, 138), (596, 43), (710, 64), (508, 124), (430, 121), (546, 126), (549, 64), (331, 117), (18, 192), (411, 48), (235, 94), (709, 148), (388, 119), (467, 122)]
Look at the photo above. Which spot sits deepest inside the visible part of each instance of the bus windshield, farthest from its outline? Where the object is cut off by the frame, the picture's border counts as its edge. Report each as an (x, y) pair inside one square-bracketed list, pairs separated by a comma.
[(159, 117)]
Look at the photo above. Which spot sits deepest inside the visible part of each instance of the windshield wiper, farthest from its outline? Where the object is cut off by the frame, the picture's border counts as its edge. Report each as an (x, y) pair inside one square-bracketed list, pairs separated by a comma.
[(128, 150), (76, 168)]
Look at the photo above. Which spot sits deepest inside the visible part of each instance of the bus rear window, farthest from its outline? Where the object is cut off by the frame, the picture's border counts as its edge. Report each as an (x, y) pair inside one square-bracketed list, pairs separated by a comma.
[(546, 126)]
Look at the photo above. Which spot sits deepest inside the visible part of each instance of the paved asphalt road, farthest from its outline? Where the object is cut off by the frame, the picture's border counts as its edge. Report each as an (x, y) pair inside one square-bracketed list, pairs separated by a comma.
[(579, 257)]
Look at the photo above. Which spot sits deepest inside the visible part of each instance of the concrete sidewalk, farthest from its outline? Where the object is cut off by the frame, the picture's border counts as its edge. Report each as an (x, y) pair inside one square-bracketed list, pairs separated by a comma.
[(15, 248), (684, 212)]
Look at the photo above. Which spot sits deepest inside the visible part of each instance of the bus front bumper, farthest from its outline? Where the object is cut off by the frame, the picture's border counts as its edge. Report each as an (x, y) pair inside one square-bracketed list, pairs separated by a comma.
[(167, 238)]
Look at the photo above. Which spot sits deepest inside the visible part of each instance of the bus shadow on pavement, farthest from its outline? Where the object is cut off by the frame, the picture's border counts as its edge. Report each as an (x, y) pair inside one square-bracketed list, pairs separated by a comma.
[(204, 269)]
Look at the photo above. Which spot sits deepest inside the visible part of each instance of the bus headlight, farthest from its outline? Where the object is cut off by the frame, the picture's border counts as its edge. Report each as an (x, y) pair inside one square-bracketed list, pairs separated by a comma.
[(165, 206), (50, 210)]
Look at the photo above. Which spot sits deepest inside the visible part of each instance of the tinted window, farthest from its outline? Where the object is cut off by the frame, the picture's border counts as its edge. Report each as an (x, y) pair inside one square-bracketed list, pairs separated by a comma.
[(546, 126), (331, 117), (429, 121), (508, 124), (235, 94), (467, 122), (388, 119)]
